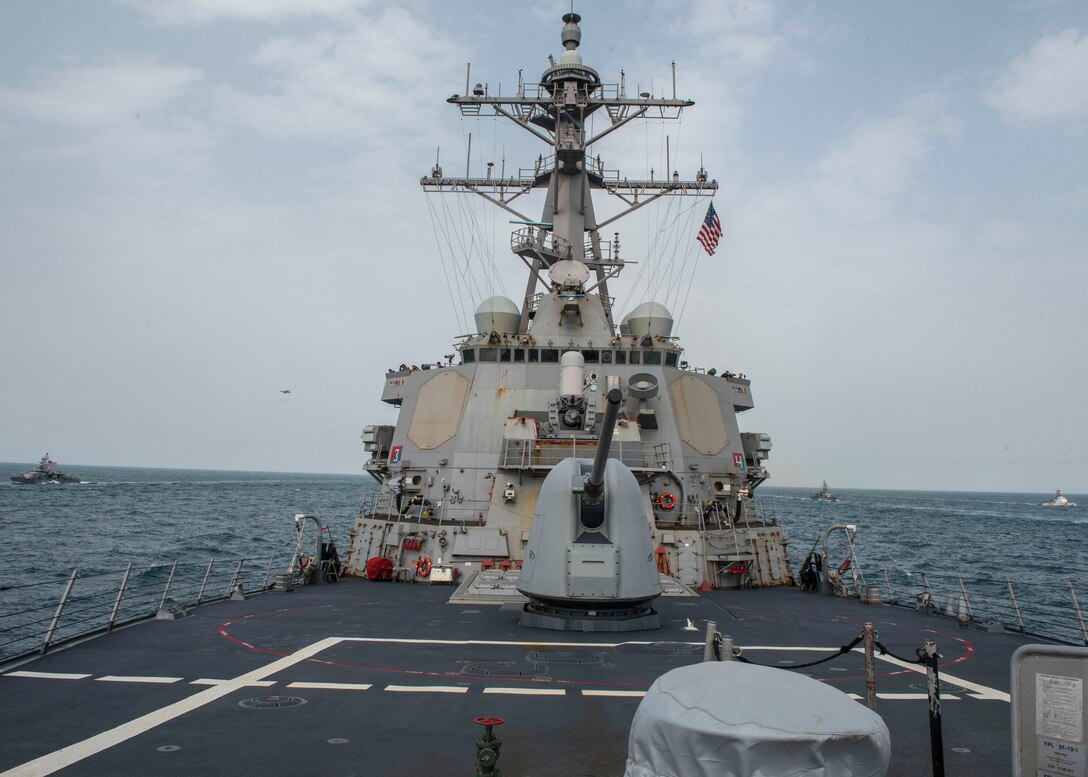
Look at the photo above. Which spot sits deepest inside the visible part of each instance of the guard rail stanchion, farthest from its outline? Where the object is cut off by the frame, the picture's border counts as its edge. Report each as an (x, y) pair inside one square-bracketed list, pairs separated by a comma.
[(120, 596), (930, 657), (169, 582), (204, 582), (60, 611), (870, 673), (1015, 606), (268, 572), (1080, 618), (237, 574)]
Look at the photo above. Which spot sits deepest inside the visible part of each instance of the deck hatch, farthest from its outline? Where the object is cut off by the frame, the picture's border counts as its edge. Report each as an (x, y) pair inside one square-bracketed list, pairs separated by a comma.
[(271, 702)]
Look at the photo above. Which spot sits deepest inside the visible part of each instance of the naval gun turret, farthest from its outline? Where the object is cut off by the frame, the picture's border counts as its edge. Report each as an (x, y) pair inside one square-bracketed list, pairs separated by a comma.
[(589, 561)]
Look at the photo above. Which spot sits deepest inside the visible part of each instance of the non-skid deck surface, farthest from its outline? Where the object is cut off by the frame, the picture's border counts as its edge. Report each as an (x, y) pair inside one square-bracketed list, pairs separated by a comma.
[(360, 678)]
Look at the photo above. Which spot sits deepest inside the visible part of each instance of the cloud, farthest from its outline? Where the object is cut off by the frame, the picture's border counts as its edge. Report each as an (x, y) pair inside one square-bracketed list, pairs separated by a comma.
[(878, 160), (100, 95), (185, 12), (337, 85), (741, 31), (1048, 83)]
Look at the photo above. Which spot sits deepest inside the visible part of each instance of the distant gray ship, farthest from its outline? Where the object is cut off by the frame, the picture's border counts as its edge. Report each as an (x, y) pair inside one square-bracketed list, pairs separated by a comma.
[(45, 472), (1058, 500), (824, 494)]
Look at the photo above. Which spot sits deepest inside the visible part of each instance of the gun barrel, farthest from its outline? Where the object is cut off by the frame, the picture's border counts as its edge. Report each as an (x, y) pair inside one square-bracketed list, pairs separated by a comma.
[(594, 486)]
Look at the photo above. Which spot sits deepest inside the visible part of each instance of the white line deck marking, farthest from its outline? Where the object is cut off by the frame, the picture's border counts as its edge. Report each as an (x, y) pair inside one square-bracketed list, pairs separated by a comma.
[(914, 697), (528, 691), (55, 761), (118, 678), (423, 689), (332, 686), (60, 759), (978, 690)]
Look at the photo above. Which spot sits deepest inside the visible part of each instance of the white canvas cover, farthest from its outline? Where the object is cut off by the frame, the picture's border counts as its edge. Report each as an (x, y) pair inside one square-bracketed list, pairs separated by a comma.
[(730, 719)]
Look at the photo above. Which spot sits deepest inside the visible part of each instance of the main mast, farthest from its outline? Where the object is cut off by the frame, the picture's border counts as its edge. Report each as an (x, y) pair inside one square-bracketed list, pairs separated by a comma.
[(563, 250)]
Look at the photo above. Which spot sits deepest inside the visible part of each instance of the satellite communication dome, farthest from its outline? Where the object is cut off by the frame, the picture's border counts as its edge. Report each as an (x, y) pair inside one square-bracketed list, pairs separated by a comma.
[(498, 314), (649, 318)]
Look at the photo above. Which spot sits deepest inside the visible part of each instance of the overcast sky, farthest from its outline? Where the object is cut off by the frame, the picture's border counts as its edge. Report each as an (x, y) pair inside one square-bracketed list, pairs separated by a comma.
[(205, 201)]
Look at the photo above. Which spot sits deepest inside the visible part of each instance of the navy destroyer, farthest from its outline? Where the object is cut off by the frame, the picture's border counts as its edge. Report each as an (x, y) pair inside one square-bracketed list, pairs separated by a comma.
[(461, 470), (45, 472), (588, 457)]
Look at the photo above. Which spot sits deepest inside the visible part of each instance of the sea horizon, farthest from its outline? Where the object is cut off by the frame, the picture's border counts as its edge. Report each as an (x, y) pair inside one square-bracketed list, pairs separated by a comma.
[(16, 467)]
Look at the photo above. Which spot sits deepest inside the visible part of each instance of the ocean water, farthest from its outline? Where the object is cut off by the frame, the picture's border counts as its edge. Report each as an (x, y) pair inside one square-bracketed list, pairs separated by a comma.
[(906, 541)]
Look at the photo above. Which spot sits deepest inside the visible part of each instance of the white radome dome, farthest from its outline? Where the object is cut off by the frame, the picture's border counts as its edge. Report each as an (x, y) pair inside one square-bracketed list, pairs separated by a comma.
[(649, 318), (498, 314)]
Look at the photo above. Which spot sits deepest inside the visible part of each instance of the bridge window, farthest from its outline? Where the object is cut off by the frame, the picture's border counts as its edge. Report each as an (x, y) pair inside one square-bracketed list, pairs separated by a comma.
[(519, 354), (549, 355), (489, 355), (592, 357), (606, 357), (621, 357), (468, 356), (652, 357), (534, 354), (634, 357), (670, 359), (504, 355)]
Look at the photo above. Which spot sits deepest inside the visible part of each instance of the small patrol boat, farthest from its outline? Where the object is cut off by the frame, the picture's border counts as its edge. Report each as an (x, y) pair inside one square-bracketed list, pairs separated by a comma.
[(45, 472), (824, 494), (1058, 500)]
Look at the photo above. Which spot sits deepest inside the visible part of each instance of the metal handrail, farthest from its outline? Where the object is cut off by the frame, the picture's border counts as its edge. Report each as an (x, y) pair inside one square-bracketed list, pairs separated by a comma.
[(1040, 609), (91, 603)]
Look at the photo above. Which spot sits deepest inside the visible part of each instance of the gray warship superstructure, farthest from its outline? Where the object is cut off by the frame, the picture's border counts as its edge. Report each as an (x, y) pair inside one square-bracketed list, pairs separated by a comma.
[(461, 471), (45, 472)]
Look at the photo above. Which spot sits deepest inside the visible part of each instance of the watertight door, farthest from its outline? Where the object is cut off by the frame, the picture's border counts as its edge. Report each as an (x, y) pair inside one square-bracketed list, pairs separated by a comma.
[(687, 563)]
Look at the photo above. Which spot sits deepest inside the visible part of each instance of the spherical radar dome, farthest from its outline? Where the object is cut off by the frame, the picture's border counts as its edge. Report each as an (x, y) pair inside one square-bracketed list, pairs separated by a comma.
[(649, 318), (498, 314)]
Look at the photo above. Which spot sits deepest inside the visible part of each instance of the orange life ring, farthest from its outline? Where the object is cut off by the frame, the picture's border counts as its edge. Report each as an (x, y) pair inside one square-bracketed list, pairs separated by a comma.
[(423, 567), (844, 566), (666, 501)]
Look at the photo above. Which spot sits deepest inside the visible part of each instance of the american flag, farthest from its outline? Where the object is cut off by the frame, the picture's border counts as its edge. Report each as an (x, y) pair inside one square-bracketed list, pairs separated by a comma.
[(711, 231)]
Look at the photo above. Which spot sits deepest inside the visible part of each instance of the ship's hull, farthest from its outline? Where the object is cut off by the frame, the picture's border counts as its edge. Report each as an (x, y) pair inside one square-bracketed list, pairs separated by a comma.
[(35, 479)]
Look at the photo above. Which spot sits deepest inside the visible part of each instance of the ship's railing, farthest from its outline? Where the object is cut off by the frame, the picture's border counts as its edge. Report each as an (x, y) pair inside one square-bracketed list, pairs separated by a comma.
[(543, 455), (545, 164), (1052, 610), (36, 616), (1049, 610)]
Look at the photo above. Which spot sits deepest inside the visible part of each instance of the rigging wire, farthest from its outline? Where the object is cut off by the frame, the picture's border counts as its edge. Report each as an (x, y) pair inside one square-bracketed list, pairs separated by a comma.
[(458, 304)]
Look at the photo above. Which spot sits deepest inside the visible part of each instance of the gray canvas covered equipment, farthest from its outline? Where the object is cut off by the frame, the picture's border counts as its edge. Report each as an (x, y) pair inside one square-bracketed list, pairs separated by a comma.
[(726, 719)]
